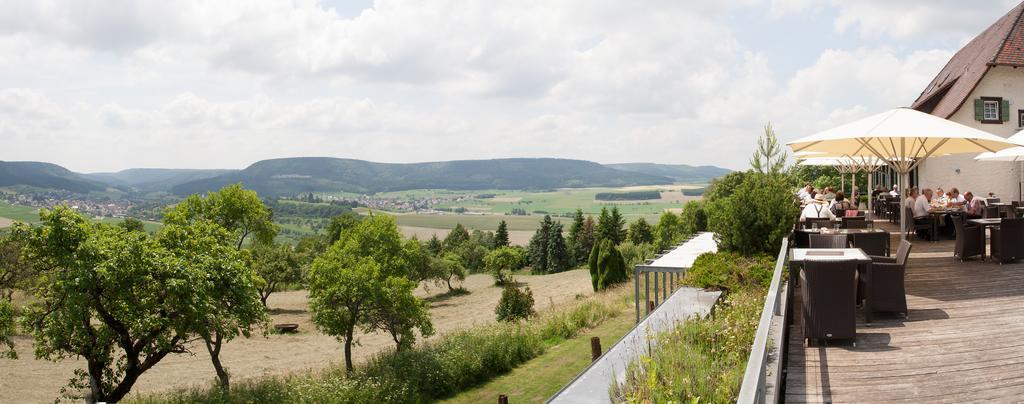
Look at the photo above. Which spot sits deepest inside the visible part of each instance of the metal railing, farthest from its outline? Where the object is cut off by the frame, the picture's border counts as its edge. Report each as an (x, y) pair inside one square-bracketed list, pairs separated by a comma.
[(666, 279), (763, 376)]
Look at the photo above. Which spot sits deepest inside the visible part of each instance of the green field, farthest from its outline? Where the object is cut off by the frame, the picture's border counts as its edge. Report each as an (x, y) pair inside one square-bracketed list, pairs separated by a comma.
[(19, 213), (151, 227), (566, 201)]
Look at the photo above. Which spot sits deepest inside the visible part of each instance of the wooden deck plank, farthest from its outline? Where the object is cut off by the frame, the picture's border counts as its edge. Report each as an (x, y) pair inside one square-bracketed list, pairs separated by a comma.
[(962, 342)]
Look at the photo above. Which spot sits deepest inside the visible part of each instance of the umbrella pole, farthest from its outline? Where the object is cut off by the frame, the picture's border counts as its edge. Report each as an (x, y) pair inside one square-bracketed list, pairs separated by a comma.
[(870, 196), (903, 207)]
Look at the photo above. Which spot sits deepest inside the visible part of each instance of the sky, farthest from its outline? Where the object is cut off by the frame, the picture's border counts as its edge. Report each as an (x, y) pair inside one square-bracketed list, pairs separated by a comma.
[(109, 85)]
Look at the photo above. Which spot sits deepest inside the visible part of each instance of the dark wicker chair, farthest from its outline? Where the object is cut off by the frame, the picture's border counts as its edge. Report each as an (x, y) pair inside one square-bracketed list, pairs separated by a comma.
[(886, 284), (829, 241), (912, 223), (876, 243), (828, 292), (1007, 240), (801, 239), (990, 212), (970, 239), (820, 222), (854, 222)]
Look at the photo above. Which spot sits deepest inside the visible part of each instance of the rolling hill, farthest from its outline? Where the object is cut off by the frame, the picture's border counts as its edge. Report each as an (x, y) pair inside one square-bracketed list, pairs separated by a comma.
[(677, 172), (290, 176), (155, 179), (45, 175)]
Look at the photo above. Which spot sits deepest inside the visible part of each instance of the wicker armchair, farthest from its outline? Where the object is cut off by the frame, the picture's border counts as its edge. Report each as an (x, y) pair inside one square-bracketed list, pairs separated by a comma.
[(888, 293), (819, 222), (990, 212), (828, 293), (829, 241), (915, 226), (872, 243), (1008, 240), (970, 239), (854, 222)]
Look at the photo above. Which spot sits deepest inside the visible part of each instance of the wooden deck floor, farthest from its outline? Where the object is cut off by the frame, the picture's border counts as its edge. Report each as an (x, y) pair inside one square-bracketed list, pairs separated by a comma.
[(962, 342)]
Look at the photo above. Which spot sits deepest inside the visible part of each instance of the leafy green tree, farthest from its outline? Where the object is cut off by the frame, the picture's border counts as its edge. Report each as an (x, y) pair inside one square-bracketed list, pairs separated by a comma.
[(501, 235), (668, 232), (558, 257), (241, 213), (515, 304), (400, 313), (310, 247), (756, 217), (640, 232), (455, 238), (7, 330), (609, 266), (132, 224), (340, 224), (501, 262), (694, 218), (483, 238), (768, 158), (635, 254), (724, 186), (122, 301), (417, 260), (472, 254), (448, 268), (15, 270), (538, 247), (434, 245), (356, 282), (276, 264), (584, 241)]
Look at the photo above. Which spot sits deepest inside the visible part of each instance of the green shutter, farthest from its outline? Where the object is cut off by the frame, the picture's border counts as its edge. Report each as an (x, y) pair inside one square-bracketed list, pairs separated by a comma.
[(1005, 113), (979, 109)]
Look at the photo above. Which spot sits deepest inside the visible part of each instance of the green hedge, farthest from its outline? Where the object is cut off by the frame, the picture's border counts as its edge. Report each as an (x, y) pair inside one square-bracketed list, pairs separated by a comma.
[(628, 196)]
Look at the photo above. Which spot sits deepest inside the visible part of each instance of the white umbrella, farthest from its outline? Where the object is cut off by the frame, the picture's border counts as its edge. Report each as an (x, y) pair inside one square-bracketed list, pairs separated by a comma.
[(901, 137), (1014, 154)]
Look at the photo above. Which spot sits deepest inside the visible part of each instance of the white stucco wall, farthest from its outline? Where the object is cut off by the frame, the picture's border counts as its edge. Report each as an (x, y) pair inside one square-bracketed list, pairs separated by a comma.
[(979, 177)]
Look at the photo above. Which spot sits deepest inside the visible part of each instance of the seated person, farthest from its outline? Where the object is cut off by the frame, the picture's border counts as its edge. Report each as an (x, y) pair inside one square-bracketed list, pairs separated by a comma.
[(912, 195), (840, 205), (829, 194), (895, 191), (805, 192), (817, 209), (940, 197), (973, 207), (955, 199), (922, 209)]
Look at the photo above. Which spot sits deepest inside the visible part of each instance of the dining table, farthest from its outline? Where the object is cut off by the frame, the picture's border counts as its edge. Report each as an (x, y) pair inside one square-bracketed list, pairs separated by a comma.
[(986, 222), (936, 215), (797, 257)]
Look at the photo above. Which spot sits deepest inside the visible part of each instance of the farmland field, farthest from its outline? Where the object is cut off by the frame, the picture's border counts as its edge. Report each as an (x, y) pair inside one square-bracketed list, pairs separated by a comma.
[(566, 201), (17, 213)]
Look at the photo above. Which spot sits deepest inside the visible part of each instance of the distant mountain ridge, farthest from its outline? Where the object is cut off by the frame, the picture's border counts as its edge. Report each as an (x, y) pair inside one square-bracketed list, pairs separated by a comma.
[(677, 172), (45, 175), (155, 179), (289, 176)]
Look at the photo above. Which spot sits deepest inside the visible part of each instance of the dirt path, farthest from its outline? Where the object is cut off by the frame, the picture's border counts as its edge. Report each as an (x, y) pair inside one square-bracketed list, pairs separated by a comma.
[(28, 380)]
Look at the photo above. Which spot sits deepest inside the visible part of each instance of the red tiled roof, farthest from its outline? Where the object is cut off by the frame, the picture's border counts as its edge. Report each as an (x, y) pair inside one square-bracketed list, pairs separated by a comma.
[(1002, 44)]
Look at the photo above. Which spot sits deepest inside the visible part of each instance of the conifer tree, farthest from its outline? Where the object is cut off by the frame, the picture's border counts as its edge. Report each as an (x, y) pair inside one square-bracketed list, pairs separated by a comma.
[(501, 235), (558, 258)]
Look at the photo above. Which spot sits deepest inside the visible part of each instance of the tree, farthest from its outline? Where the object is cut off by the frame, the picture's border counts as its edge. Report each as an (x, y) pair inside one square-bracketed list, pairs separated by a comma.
[(694, 218), (340, 224), (640, 232), (610, 225), (358, 280), (132, 224), (472, 254), (607, 266), (515, 304), (501, 235), (768, 158), (434, 245), (401, 313), (723, 187), (574, 233), (121, 300), (449, 267), (668, 231), (756, 217), (7, 330), (558, 258), (277, 264), (417, 261), (538, 247), (584, 241), (241, 213), (501, 262), (15, 271), (455, 238)]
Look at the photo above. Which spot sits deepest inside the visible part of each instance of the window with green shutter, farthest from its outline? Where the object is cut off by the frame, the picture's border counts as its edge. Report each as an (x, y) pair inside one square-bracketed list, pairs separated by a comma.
[(991, 110)]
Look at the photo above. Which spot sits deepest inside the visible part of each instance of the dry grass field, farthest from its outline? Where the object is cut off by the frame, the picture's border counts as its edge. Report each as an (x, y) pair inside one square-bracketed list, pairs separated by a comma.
[(31, 380), (516, 237)]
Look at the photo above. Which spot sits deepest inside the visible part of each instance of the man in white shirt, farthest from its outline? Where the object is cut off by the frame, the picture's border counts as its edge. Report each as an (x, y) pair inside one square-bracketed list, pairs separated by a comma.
[(805, 193), (922, 207), (894, 191), (957, 199), (817, 209)]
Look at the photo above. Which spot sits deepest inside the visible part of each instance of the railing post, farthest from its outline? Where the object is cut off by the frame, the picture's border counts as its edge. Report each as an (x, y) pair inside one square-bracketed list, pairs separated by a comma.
[(636, 292), (595, 348)]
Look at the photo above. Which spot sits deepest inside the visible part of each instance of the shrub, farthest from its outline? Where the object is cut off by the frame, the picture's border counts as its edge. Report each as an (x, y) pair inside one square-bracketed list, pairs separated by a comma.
[(756, 216), (607, 267), (723, 187), (694, 218), (501, 262), (627, 196), (702, 360), (730, 271), (668, 232), (515, 304), (635, 254)]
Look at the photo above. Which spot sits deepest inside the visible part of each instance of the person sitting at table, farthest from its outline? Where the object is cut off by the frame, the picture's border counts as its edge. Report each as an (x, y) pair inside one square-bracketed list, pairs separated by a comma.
[(855, 196), (829, 194), (840, 205), (817, 209), (805, 193), (911, 198), (955, 199), (939, 198), (973, 207), (895, 191), (922, 211)]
